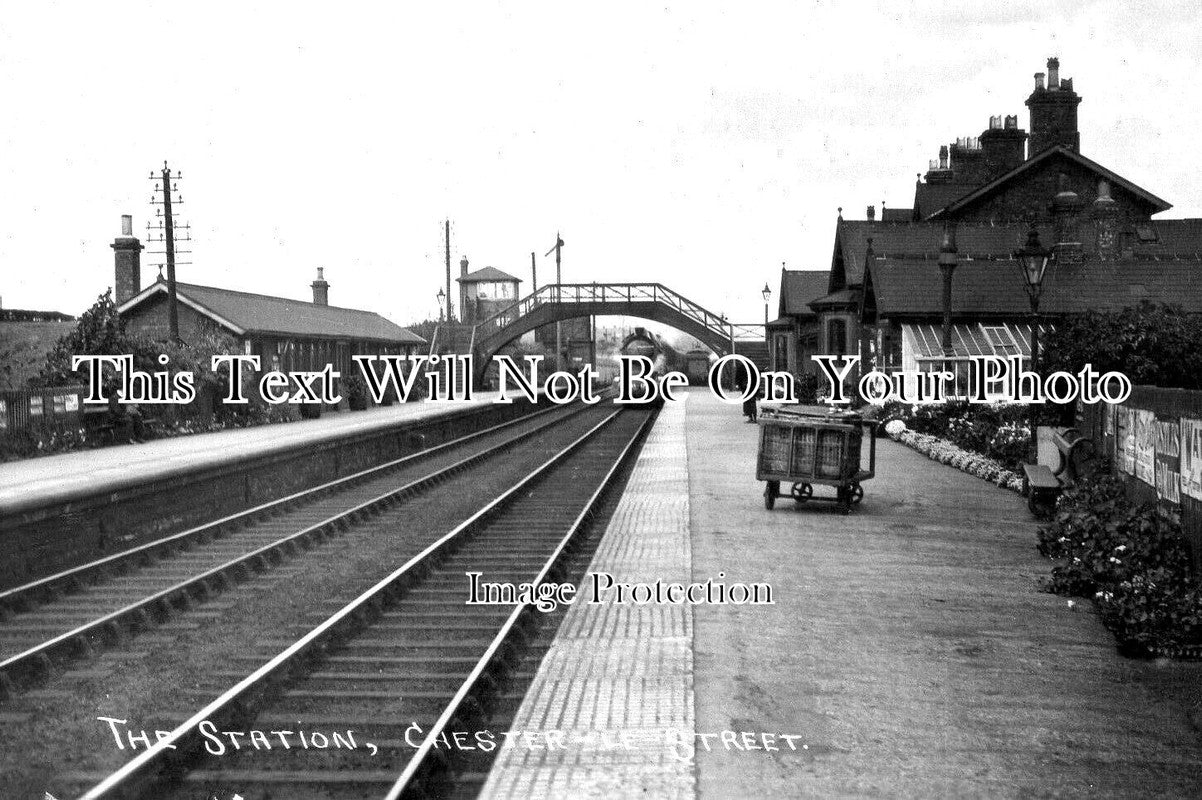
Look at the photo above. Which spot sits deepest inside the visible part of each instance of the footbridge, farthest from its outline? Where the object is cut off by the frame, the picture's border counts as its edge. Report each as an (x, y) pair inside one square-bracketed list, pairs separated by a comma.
[(651, 301)]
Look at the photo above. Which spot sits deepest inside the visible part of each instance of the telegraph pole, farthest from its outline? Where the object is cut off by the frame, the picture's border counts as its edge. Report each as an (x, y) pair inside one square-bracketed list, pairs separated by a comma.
[(533, 275), (558, 297), (166, 236), (448, 249)]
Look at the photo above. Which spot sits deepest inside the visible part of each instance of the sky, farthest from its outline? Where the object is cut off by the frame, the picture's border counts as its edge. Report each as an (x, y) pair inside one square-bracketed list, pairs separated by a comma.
[(694, 144)]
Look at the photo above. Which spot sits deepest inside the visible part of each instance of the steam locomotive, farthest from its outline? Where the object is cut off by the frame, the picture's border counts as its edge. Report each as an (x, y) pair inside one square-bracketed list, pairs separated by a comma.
[(666, 358)]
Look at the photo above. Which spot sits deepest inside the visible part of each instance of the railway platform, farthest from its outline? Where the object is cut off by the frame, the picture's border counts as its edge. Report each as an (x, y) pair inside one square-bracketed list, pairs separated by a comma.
[(60, 511), (910, 650), (40, 481)]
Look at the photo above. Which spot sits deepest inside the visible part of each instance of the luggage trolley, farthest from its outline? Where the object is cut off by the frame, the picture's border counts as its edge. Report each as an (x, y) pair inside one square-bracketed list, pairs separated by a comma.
[(809, 445)]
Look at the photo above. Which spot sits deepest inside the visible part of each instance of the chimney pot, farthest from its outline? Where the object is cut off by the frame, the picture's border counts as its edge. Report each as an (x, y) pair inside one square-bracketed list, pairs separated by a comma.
[(463, 266), (127, 225), (943, 156), (1053, 74), (1012, 122), (871, 213), (1038, 81)]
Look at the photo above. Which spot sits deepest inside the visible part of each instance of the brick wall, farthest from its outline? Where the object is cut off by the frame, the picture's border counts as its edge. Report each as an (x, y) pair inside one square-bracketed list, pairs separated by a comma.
[(150, 319), (1037, 188)]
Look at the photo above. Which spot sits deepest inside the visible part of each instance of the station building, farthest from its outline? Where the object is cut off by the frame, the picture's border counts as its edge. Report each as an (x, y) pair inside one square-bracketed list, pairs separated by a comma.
[(883, 299), (286, 334)]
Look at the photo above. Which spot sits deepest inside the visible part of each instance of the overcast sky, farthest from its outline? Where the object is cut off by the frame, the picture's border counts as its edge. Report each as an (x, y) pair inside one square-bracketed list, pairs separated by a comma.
[(695, 145)]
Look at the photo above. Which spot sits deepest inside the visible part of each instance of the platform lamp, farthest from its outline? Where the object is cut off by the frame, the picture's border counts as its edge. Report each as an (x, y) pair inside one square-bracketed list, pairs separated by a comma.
[(948, 258), (442, 296), (1033, 258)]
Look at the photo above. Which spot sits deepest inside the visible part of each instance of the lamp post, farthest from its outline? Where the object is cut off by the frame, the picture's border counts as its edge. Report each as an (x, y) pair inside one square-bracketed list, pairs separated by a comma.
[(1033, 259), (948, 258), (766, 293), (441, 297)]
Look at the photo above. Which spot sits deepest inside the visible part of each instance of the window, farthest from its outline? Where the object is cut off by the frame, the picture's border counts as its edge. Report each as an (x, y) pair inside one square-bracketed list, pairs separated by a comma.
[(1001, 339), (836, 337)]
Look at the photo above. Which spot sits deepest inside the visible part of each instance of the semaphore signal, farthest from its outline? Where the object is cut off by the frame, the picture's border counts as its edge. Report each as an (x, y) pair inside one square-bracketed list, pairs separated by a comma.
[(163, 232)]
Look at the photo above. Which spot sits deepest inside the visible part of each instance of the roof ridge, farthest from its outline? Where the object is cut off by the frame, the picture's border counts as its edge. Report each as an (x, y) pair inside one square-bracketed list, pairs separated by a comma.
[(277, 297)]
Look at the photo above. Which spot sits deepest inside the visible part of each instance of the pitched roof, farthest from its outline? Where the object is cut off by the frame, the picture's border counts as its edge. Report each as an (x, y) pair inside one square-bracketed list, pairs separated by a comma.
[(487, 275), (1179, 236), (918, 240), (841, 297), (244, 312), (1059, 151), (907, 287), (931, 197), (798, 288), (897, 214)]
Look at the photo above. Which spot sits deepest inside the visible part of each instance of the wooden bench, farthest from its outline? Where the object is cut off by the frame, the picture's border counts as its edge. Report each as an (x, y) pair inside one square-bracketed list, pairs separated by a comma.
[(1078, 458)]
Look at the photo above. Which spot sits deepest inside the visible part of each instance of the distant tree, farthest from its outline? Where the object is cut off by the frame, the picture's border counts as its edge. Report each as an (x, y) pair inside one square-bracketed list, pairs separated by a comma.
[(425, 328), (1151, 344), (99, 332)]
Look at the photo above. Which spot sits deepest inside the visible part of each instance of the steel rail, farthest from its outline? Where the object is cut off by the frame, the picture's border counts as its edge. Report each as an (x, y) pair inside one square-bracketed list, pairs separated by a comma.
[(78, 574), (38, 658), (418, 762), (171, 753)]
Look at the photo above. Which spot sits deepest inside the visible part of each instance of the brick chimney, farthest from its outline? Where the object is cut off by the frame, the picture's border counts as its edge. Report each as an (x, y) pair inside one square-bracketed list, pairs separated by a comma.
[(1053, 112), (1066, 209), (968, 162), (1003, 145), (321, 289), (940, 171), (127, 258), (467, 303)]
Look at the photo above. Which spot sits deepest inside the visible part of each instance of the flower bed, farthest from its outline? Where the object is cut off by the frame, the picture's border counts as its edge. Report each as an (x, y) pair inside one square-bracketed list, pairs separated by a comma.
[(1133, 562), (945, 452), (999, 431)]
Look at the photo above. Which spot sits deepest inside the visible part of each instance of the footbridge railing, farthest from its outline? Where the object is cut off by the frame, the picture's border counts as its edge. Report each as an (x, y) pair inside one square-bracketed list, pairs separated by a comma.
[(619, 298)]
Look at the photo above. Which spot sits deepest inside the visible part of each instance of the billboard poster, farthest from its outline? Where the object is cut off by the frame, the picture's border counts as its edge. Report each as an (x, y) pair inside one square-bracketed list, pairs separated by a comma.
[(1145, 446), (1168, 461), (1124, 439), (1191, 458)]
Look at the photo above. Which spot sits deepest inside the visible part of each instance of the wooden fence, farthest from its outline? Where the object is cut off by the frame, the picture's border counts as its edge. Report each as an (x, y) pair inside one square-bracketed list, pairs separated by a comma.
[(1154, 443)]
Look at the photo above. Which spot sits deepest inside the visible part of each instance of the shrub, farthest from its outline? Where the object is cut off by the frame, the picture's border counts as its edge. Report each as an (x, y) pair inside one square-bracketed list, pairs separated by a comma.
[(356, 393), (1131, 559), (1010, 444), (807, 388), (1151, 344)]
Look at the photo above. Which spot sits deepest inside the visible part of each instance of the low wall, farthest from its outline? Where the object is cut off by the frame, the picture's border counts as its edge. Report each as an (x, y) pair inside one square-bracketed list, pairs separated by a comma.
[(71, 530), (1154, 442)]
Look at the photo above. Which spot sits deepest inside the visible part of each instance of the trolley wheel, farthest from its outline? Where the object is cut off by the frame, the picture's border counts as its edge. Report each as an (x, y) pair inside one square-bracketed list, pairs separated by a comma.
[(855, 493), (801, 492), (771, 489), (843, 498)]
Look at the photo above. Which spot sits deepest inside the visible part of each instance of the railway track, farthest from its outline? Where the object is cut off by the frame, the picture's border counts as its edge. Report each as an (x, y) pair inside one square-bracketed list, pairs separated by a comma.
[(388, 678), (73, 613)]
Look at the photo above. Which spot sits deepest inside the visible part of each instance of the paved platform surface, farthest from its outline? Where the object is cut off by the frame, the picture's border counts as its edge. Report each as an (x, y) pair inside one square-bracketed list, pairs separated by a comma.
[(910, 651), (618, 679), (911, 646), (38, 481)]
